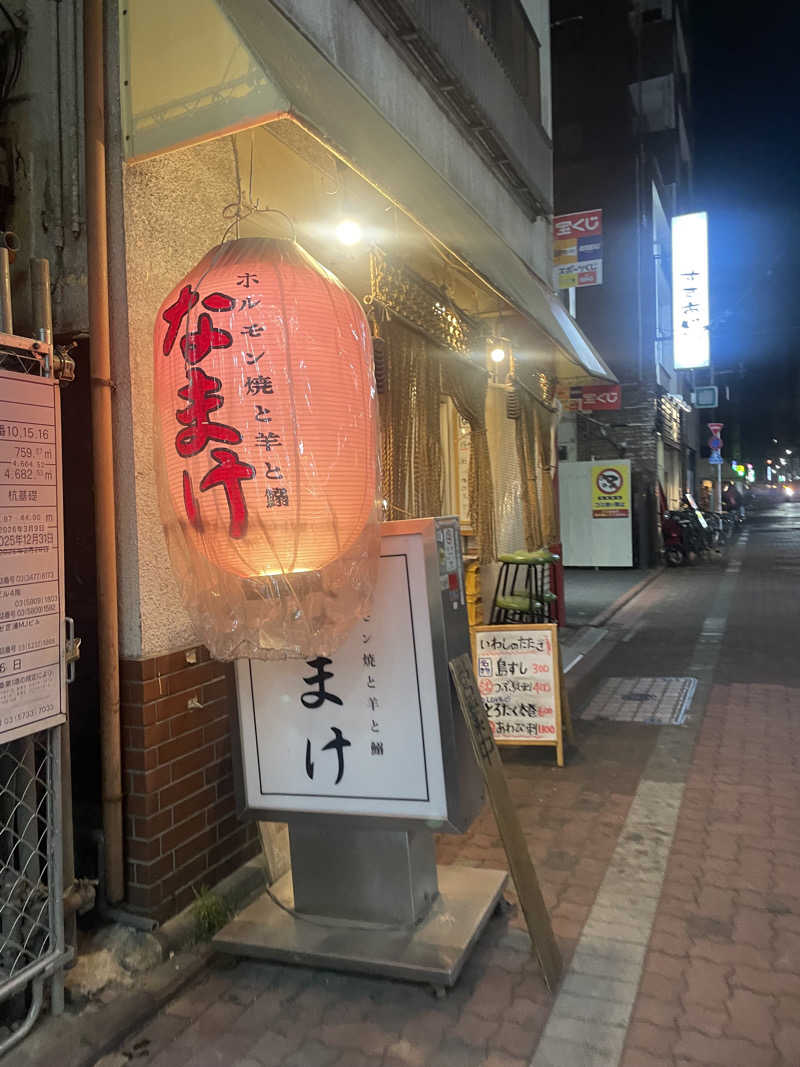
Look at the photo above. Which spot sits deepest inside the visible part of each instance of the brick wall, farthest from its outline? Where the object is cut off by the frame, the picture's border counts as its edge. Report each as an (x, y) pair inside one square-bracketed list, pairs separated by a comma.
[(181, 827), (631, 434), (634, 426)]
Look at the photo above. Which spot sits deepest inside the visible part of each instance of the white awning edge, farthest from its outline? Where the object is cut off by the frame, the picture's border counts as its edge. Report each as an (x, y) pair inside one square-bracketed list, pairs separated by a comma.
[(303, 63)]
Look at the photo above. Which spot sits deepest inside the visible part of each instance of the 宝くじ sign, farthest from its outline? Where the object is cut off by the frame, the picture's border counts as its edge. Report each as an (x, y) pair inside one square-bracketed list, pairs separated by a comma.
[(578, 249)]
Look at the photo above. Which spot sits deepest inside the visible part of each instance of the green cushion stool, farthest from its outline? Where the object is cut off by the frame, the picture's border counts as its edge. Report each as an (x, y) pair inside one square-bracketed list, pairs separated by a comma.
[(530, 603)]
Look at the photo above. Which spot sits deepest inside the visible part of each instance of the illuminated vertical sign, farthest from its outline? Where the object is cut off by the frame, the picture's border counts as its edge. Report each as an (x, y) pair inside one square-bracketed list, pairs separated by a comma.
[(578, 249), (690, 315)]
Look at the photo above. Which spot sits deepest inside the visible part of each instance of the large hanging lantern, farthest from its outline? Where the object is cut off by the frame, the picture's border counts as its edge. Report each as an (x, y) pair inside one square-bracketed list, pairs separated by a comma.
[(266, 418)]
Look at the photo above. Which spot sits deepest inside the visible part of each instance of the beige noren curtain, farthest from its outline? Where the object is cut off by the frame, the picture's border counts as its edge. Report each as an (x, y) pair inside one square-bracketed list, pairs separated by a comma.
[(535, 449), (466, 384), (411, 448)]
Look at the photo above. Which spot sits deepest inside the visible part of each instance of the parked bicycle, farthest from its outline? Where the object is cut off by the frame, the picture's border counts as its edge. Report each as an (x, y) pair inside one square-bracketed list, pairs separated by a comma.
[(690, 534)]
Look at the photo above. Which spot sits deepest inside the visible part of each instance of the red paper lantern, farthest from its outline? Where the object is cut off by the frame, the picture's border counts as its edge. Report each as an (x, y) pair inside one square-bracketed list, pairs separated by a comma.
[(265, 408)]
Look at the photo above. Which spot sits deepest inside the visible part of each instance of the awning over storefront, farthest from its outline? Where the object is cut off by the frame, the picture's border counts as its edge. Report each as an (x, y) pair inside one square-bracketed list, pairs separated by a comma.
[(321, 96), (281, 73)]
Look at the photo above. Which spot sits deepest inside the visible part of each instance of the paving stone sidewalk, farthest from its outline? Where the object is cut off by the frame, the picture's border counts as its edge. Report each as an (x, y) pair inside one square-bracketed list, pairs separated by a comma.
[(675, 872), (721, 982), (253, 1014)]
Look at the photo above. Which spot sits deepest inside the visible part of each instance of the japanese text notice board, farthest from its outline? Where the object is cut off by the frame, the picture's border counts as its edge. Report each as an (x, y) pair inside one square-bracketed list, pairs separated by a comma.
[(356, 733), (519, 678), (32, 682)]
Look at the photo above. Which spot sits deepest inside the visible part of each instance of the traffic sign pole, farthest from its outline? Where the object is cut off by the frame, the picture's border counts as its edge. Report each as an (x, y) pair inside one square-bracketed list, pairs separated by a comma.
[(716, 445)]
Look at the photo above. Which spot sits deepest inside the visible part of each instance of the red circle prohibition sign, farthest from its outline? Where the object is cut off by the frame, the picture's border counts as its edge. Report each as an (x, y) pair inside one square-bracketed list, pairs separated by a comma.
[(609, 480)]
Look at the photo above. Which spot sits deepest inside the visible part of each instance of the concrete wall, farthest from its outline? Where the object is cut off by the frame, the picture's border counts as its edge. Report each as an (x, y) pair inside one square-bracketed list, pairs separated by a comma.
[(41, 160), (173, 215), (351, 42), (538, 12)]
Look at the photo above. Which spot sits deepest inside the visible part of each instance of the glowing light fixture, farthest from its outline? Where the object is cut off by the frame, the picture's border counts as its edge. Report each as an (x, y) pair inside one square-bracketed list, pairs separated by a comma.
[(266, 412), (690, 311), (349, 232), (497, 354)]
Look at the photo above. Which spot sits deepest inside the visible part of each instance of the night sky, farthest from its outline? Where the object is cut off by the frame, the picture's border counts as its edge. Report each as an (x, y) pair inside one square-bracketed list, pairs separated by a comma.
[(747, 176)]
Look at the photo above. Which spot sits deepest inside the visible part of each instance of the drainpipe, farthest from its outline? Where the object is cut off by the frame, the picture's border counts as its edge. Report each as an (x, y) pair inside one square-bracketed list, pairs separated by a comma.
[(42, 322), (102, 446)]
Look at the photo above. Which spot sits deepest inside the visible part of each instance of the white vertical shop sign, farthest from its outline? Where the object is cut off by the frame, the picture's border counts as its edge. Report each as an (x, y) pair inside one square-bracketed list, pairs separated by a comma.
[(32, 682), (690, 309), (356, 733)]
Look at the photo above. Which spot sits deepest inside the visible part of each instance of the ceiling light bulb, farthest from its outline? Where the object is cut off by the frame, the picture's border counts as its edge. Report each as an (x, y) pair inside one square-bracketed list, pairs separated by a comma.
[(497, 355), (348, 232)]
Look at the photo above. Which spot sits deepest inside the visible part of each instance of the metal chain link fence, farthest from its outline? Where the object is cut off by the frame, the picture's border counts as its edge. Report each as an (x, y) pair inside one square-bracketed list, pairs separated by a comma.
[(31, 913)]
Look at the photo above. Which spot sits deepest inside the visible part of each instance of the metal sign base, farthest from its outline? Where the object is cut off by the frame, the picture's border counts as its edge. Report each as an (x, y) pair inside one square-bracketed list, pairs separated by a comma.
[(432, 951)]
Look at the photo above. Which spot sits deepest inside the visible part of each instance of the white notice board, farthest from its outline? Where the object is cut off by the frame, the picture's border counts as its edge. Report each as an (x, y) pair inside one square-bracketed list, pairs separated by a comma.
[(356, 733), (596, 513), (518, 673), (32, 682)]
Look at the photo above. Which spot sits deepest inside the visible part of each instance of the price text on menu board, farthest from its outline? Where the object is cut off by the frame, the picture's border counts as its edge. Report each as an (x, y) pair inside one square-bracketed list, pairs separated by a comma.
[(31, 564), (518, 678)]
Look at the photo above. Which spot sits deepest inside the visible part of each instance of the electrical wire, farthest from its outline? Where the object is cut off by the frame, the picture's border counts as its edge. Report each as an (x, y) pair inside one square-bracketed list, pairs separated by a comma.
[(341, 924)]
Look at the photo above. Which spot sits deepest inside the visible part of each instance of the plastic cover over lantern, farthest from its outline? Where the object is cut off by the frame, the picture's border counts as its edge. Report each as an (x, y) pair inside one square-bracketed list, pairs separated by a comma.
[(267, 454)]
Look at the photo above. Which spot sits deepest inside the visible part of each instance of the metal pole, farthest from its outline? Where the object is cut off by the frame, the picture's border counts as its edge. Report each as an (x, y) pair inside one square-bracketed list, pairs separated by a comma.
[(42, 312), (55, 815), (6, 314), (41, 306), (102, 446)]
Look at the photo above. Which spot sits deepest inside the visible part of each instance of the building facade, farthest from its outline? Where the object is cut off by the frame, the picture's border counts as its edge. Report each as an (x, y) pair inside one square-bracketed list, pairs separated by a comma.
[(622, 122), (431, 124)]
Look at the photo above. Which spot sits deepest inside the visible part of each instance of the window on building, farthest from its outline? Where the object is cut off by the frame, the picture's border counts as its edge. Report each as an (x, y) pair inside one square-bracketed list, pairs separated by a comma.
[(654, 10), (662, 274), (509, 32)]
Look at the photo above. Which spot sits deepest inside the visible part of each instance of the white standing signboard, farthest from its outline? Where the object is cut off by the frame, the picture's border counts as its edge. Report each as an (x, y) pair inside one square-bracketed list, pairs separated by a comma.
[(519, 679), (32, 679), (595, 507), (356, 733)]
